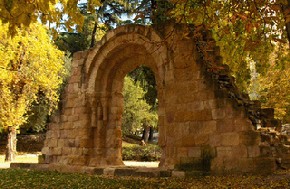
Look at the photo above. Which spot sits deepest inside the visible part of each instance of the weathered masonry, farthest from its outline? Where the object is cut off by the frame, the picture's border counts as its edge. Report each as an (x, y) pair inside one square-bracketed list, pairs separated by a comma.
[(205, 124)]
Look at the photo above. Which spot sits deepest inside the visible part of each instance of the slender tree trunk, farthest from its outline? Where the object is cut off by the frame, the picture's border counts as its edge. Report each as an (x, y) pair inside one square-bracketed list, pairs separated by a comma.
[(145, 135), (11, 145), (150, 139), (93, 40)]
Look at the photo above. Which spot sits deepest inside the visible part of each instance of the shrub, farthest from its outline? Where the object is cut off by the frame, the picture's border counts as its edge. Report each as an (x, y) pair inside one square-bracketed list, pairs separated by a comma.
[(142, 153)]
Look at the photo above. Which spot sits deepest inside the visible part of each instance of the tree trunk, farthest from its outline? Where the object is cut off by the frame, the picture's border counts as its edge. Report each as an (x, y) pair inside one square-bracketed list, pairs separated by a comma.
[(150, 139), (145, 135), (93, 40), (11, 145)]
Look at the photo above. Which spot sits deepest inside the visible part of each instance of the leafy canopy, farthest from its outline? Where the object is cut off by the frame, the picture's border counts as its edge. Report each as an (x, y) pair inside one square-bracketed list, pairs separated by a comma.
[(18, 13), (137, 113), (31, 69)]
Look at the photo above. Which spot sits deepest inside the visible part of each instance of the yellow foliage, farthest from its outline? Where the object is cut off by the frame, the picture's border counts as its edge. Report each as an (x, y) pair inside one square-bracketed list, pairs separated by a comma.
[(24, 12), (275, 85), (30, 65)]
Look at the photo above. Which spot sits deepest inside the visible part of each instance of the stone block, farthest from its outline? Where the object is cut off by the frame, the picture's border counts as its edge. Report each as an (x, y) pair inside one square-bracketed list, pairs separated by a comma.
[(215, 140), (218, 113), (203, 127), (124, 172), (201, 139), (230, 139), (63, 160), (182, 152), (68, 111), (253, 151), (66, 151), (165, 173), (178, 174), (73, 118), (250, 138), (214, 103), (217, 166), (185, 162), (53, 143), (67, 125), (170, 117), (246, 165), (86, 151), (243, 124), (83, 143), (79, 55), (45, 150), (179, 116), (240, 151), (170, 152), (187, 116), (184, 98), (187, 141), (77, 151), (64, 134), (209, 127), (77, 125), (74, 79), (61, 142), (73, 87), (55, 121), (224, 151), (182, 74), (81, 110), (225, 125), (56, 151), (201, 115), (195, 105), (202, 84), (194, 152), (190, 87), (79, 160), (70, 143), (203, 95)]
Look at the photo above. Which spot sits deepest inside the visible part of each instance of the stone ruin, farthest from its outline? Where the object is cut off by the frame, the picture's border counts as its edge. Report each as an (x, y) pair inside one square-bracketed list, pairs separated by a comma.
[(205, 123)]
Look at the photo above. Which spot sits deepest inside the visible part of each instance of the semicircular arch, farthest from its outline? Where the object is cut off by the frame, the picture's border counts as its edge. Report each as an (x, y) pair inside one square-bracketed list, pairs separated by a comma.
[(125, 42)]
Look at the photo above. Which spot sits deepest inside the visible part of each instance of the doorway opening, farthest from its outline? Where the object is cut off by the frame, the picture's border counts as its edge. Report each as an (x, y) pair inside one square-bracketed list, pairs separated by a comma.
[(140, 119)]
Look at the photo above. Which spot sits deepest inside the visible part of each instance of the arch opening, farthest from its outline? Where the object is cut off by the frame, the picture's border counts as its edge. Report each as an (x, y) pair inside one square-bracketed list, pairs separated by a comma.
[(140, 119), (108, 99)]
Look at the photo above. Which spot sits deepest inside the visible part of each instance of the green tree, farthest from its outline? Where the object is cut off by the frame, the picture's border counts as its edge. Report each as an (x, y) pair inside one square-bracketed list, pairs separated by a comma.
[(146, 78), (137, 113), (31, 67), (274, 84)]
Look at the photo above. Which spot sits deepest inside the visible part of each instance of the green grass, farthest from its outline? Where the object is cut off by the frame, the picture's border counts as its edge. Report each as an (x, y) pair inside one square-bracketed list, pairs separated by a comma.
[(17, 178)]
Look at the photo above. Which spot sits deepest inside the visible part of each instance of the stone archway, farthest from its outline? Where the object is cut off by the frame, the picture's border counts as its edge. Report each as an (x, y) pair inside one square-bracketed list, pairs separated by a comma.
[(201, 126), (108, 85)]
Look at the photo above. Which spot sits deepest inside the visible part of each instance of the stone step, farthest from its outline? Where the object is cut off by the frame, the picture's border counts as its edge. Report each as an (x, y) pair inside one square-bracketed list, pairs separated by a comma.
[(112, 171)]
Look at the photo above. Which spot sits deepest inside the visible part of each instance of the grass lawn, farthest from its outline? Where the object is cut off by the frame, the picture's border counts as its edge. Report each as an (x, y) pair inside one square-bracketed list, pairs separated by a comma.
[(17, 178)]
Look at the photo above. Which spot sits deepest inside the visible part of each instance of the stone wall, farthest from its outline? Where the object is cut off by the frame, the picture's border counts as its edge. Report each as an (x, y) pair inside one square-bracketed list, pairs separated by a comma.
[(204, 122)]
